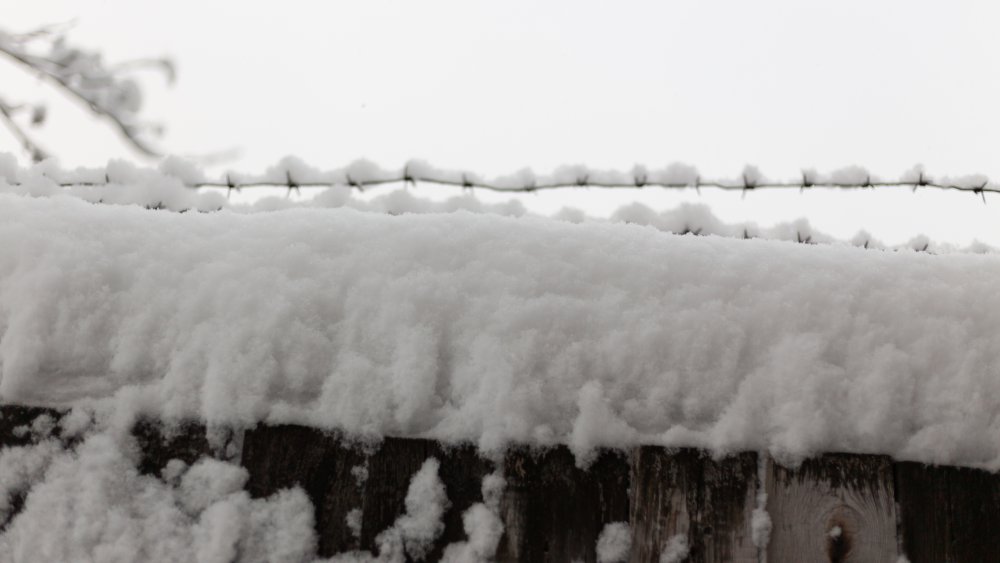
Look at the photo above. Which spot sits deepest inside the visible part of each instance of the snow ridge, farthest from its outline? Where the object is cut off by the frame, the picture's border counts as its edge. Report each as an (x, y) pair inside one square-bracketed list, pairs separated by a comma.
[(493, 330)]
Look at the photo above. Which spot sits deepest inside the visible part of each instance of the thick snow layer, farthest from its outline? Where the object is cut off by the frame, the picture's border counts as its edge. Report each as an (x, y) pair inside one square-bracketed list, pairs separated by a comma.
[(494, 330)]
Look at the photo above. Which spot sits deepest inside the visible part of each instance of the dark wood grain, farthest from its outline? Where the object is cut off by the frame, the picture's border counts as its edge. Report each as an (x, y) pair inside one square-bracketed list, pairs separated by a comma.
[(836, 507), (948, 513), (555, 511), (390, 469), (687, 492), (462, 471), (159, 443), (284, 456)]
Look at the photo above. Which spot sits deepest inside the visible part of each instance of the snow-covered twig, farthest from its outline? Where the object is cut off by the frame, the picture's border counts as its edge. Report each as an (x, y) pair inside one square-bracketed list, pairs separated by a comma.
[(83, 76), (27, 143)]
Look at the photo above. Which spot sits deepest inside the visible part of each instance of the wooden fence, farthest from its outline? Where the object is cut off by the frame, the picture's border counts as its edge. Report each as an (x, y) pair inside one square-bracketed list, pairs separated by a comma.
[(837, 507)]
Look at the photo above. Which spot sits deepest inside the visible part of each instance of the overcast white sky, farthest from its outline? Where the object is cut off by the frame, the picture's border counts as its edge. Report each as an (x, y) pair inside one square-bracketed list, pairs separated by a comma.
[(496, 86)]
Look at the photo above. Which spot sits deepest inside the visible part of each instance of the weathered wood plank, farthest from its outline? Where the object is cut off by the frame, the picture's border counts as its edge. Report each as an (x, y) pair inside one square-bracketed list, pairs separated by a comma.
[(688, 493), (390, 469), (837, 508), (284, 456), (948, 513), (554, 511), (159, 443), (462, 471)]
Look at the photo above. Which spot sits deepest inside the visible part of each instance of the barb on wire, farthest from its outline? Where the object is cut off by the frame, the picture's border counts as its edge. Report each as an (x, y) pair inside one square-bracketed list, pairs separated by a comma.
[(292, 186)]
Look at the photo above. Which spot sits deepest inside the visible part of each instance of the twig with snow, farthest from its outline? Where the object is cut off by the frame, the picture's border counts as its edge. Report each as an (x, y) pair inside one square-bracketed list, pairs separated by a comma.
[(83, 76)]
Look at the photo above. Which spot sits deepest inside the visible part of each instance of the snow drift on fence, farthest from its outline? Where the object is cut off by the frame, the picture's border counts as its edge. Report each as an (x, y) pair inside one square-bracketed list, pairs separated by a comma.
[(466, 327)]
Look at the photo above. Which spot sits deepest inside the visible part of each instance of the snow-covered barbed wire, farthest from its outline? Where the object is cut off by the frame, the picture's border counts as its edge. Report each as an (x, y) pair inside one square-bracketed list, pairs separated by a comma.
[(293, 174), (167, 187), (109, 91)]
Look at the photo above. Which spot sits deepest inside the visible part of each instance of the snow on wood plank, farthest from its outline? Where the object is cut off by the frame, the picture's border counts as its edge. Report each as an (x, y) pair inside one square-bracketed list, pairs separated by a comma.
[(687, 493), (16, 423), (948, 513), (284, 456), (389, 471), (837, 508), (159, 444), (554, 511)]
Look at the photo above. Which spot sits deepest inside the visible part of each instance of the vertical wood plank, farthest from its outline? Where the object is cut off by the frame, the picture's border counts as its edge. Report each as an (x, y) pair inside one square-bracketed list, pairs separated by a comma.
[(688, 493), (284, 456), (554, 511), (837, 508), (462, 470), (390, 469), (948, 513), (389, 472)]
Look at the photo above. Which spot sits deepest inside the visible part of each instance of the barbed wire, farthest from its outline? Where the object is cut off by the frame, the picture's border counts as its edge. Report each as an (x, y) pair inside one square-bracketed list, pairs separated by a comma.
[(123, 178), (293, 175), (466, 182)]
